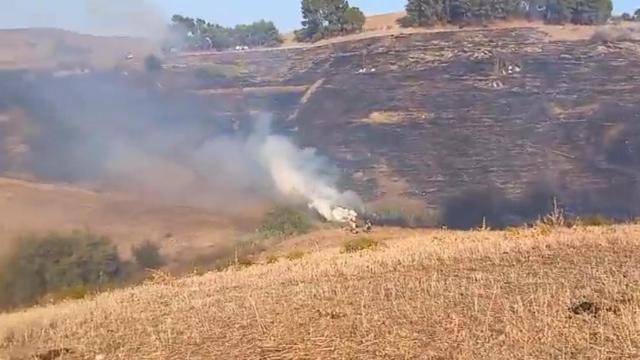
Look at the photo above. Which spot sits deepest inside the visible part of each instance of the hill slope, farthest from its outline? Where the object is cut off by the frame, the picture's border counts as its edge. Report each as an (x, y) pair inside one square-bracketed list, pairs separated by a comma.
[(564, 124), (474, 295), (181, 231), (53, 48)]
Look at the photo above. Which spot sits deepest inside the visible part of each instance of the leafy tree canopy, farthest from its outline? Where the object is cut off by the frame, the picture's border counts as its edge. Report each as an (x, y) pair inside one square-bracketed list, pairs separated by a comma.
[(326, 18), (431, 12), (192, 33)]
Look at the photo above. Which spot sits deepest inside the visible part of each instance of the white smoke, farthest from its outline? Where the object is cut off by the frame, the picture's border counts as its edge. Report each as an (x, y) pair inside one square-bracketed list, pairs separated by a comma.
[(228, 168), (301, 173)]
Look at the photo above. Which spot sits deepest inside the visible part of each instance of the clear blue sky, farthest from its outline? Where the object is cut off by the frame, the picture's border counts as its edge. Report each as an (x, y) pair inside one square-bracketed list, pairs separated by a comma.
[(140, 16)]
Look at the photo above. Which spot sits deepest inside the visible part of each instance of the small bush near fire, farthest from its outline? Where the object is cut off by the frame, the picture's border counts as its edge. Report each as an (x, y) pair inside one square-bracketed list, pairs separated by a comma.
[(295, 255), (147, 255), (359, 244), (596, 220), (283, 222), (52, 263)]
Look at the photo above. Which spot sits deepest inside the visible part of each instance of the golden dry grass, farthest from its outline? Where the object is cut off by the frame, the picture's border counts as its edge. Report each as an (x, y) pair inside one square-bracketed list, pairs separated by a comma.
[(438, 294), (388, 21)]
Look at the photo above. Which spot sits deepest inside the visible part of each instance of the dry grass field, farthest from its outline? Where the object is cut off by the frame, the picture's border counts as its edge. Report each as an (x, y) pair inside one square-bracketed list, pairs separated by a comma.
[(519, 294)]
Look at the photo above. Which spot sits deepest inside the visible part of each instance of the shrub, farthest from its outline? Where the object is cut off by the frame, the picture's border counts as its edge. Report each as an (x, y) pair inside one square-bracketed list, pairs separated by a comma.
[(406, 218), (272, 259), (359, 244), (212, 72), (76, 292), (295, 255), (596, 220), (152, 63), (50, 263), (233, 262), (244, 261), (147, 255), (283, 222)]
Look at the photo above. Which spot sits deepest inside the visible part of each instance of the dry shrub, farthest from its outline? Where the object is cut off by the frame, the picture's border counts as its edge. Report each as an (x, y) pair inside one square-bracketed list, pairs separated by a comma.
[(359, 244), (295, 255), (70, 293), (244, 261), (556, 217), (595, 220), (147, 255), (272, 259)]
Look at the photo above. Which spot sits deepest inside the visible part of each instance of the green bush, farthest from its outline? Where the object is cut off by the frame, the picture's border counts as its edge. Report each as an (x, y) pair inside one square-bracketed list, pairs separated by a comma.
[(284, 222), (147, 255), (47, 264), (359, 244)]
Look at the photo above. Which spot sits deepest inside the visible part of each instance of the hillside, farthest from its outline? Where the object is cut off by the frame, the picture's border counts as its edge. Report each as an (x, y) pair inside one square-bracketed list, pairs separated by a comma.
[(59, 49), (475, 128), (562, 124), (568, 293), (478, 140), (183, 232)]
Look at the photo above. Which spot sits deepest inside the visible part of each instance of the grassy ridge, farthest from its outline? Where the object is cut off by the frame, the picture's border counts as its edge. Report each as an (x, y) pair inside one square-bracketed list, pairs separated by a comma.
[(559, 293)]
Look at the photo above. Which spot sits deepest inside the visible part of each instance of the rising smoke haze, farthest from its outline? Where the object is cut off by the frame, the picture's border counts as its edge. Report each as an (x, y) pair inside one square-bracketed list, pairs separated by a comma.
[(97, 17), (233, 167), (103, 129)]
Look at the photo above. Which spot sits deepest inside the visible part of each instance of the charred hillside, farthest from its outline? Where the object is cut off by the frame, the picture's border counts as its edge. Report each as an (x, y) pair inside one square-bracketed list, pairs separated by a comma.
[(480, 123), (505, 112)]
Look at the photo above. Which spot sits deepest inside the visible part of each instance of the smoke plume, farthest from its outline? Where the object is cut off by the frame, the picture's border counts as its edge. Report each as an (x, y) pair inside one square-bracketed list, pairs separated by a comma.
[(226, 168), (97, 17), (103, 129)]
